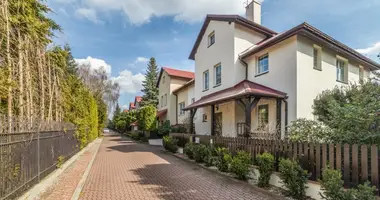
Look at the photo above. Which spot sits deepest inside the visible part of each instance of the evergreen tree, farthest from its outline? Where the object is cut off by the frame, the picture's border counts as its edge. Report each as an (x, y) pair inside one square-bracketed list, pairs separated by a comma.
[(150, 90)]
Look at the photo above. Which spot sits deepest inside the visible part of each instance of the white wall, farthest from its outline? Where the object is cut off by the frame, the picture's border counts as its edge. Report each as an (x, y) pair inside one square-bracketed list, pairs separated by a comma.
[(185, 95), (311, 82), (282, 72)]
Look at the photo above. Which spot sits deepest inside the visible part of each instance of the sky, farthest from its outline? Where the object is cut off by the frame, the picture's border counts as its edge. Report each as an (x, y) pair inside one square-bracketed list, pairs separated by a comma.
[(121, 35)]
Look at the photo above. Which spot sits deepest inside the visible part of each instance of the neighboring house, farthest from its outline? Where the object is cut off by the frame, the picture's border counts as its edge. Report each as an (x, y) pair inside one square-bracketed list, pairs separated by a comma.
[(169, 80), (125, 110), (135, 106), (185, 97), (137, 102), (132, 106), (249, 78)]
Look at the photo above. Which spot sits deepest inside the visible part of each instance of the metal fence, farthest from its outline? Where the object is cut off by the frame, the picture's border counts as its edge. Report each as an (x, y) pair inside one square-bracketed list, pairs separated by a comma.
[(28, 157), (358, 163)]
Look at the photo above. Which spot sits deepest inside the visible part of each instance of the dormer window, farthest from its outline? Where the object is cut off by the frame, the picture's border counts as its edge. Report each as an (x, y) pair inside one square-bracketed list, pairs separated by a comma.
[(211, 38)]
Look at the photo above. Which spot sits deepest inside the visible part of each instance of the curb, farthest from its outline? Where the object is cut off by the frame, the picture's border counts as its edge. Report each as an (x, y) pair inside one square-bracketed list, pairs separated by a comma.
[(82, 181), (52, 178), (264, 191)]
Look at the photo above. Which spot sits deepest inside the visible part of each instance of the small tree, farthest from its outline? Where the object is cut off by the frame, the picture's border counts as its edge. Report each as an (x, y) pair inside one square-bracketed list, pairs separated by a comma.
[(304, 130), (146, 118), (352, 112), (150, 90)]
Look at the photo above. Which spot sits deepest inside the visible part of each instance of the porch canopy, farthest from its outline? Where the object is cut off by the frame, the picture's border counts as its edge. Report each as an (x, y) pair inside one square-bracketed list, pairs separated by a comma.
[(246, 93)]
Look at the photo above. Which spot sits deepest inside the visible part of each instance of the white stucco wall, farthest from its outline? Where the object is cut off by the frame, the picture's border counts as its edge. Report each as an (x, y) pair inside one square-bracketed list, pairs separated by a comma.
[(311, 82), (282, 72), (185, 95), (168, 87)]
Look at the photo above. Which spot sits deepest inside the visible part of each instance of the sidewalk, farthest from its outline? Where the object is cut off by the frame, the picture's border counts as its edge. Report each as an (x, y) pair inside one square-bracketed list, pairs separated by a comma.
[(65, 186)]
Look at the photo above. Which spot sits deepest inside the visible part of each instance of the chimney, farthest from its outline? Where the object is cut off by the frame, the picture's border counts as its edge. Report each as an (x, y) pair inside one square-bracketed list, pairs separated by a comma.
[(253, 12)]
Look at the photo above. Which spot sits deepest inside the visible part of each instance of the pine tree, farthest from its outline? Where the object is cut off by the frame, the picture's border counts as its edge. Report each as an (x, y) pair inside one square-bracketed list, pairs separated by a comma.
[(150, 90)]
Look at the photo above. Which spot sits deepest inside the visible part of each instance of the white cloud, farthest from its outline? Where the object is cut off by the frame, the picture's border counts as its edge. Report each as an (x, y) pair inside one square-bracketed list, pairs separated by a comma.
[(94, 63), (139, 60), (88, 13), (129, 83), (141, 11), (372, 50)]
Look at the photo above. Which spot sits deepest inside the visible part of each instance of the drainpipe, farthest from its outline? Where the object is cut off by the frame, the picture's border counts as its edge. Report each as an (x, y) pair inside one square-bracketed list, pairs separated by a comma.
[(246, 67)]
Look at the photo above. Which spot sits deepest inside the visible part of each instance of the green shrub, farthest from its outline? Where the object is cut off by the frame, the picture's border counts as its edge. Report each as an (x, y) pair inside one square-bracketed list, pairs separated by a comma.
[(189, 150), (135, 135), (210, 158), (332, 187), (240, 164), (294, 178), (224, 159), (170, 144), (265, 163), (199, 152), (182, 141), (164, 129)]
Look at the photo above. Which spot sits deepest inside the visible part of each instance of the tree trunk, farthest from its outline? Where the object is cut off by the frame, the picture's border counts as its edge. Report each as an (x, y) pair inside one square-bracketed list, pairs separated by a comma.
[(50, 91), (20, 76), (9, 67), (41, 81)]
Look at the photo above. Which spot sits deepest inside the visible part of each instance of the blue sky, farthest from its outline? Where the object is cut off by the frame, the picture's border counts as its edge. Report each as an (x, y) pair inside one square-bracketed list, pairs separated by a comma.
[(121, 35)]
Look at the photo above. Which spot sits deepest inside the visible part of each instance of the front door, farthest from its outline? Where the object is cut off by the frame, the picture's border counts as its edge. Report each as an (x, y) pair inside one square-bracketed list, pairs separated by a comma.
[(218, 124)]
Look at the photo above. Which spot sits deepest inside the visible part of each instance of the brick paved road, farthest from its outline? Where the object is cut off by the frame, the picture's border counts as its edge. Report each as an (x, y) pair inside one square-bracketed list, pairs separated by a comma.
[(127, 170)]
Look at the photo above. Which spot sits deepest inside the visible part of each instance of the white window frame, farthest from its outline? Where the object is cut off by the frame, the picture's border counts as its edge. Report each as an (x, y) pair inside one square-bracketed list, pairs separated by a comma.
[(341, 76), (317, 59), (258, 72), (211, 39), (219, 65), (204, 118), (206, 84), (181, 106)]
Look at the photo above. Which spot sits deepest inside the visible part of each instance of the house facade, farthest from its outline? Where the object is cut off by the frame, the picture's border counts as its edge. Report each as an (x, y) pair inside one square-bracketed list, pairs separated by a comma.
[(169, 80), (250, 79)]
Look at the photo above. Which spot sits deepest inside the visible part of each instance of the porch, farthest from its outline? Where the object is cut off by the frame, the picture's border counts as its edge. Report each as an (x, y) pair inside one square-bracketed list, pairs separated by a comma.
[(247, 109)]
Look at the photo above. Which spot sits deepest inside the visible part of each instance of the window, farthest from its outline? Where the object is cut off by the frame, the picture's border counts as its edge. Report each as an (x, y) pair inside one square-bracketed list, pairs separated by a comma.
[(263, 115), (263, 64), (317, 58), (340, 70), (204, 118), (205, 80), (211, 38), (181, 107), (162, 101), (218, 74), (166, 99), (361, 73)]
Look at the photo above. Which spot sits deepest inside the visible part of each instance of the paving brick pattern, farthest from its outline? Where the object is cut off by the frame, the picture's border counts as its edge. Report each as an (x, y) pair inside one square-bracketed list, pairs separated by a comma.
[(124, 169), (68, 181)]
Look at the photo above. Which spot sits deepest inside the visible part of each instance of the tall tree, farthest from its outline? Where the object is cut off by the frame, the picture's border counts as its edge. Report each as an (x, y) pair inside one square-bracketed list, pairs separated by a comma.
[(150, 90)]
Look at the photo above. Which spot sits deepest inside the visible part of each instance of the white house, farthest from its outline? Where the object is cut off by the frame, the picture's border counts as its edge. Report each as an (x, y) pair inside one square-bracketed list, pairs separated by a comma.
[(169, 80), (249, 78)]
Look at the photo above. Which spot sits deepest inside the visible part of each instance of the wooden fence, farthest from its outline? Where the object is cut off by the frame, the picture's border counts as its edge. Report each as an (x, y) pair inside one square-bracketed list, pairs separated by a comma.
[(358, 163), (28, 157)]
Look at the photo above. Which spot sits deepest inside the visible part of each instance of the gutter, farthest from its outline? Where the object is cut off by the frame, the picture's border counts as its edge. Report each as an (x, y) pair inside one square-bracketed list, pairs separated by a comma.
[(246, 67)]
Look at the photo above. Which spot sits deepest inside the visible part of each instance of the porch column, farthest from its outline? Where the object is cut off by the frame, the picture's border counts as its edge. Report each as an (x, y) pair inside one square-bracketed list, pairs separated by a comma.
[(192, 114), (248, 107), (212, 120), (278, 114)]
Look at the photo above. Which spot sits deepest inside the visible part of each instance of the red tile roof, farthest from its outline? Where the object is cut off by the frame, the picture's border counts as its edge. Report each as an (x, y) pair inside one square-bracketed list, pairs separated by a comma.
[(125, 110), (132, 106), (138, 99), (240, 90), (162, 113), (179, 73)]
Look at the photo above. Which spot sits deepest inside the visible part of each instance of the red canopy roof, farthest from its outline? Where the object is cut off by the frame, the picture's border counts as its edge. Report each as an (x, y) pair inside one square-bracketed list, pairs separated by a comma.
[(244, 88), (162, 113)]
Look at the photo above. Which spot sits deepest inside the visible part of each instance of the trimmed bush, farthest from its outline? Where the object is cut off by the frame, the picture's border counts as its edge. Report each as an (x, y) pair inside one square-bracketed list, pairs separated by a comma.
[(210, 158), (224, 159), (200, 152), (265, 163), (135, 135), (294, 178), (332, 187), (170, 144), (189, 150), (240, 165)]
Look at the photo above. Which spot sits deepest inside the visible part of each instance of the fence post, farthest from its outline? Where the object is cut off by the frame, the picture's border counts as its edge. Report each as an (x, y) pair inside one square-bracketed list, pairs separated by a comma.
[(38, 155)]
